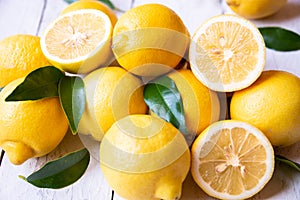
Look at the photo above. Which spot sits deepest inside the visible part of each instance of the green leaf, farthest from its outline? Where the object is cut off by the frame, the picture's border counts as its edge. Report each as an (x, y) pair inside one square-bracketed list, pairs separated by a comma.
[(1, 89), (107, 2), (288, 162), (61, 172), (40, 83), (72, 98), (280, 39), (163, 98), (70, 1)]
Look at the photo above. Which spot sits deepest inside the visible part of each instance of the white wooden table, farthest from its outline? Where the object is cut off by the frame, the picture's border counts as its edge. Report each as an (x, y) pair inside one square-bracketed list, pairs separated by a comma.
[(32, 16)]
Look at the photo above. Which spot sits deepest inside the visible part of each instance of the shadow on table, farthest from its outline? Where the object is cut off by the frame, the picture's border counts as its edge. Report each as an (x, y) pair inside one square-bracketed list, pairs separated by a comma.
[(282, 185)]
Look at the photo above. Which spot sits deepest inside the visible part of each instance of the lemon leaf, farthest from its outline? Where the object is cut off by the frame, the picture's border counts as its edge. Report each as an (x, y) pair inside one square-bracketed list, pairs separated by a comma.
[(288, 162), (163, 98), (1, 89), (40, 83), (107, 2), (70, 1), (61, 172), (72, 98), (280, 39)]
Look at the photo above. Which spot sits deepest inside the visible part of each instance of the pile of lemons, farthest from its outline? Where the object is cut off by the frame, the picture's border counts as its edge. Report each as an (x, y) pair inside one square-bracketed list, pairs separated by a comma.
[(143, 156)]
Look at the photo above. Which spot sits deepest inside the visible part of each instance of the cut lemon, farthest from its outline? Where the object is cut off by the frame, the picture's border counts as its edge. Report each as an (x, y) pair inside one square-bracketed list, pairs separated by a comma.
[(232, 160), (227, 53), (79, 41)]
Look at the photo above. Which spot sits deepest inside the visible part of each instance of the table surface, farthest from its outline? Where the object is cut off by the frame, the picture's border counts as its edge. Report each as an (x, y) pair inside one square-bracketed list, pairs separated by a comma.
[(32, 16)]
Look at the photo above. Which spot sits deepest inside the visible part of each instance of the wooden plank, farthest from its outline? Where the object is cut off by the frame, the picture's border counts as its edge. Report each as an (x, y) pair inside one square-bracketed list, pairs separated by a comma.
[(14, 19), (28, 17), (123, 5), (20, 17), (192, 12), (52, 10), (89, 186)]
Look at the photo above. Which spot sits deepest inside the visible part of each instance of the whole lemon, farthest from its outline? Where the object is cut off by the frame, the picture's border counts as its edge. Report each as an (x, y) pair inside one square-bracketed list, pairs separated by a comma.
[(149, 40), (30, 128), (255, 9), (19, 55), (272, 104), (91, 4), (201, 105), (112, 93), (144, 157)]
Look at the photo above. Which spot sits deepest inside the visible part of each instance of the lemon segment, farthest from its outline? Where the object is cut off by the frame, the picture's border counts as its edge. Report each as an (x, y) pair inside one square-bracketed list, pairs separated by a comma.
[(232, 160), (227, 53), (78, 41)]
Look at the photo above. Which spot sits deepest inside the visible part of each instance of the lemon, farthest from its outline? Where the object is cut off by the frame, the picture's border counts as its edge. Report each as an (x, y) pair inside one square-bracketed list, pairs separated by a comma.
[(112, 93), (91, 4), (227, 53), (30, 128), (232, 160), (144, 45), (272, 104), (144, 157), (201, 105), (19, 55), (78, 41), (255, 9)]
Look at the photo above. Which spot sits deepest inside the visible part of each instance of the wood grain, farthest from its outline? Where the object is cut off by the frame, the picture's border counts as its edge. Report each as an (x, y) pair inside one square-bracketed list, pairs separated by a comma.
[(31, 17)]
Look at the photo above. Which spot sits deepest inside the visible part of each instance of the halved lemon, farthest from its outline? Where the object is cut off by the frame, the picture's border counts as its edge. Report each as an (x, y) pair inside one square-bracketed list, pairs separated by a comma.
[(232, 160), (79, 41), (227, 53)]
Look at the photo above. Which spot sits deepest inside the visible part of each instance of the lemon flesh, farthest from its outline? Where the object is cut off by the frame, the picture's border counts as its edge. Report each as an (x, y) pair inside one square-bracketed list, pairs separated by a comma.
[(78, 41), (232, 160), (227, 53)]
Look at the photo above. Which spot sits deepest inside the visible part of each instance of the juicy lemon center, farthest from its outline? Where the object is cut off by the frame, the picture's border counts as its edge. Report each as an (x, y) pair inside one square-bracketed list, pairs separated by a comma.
[(231, 48), (232, 159), (76, 35), (242, 159), (76, 38)]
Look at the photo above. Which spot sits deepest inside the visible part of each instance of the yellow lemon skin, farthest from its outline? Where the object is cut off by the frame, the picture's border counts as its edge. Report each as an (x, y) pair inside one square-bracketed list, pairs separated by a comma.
[(272, 104), (112, 93), (145, 45), (201, 105), (92, 4), (19, 55), (163, 183), (255, 9), (30, 128)]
